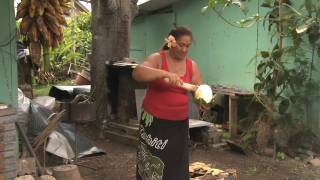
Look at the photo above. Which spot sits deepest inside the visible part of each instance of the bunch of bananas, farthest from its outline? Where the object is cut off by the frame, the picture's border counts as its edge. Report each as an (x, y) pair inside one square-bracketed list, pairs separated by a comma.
[(42, 23)]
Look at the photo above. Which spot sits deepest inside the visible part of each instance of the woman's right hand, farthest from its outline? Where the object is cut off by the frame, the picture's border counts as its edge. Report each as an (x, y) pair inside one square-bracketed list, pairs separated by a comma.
[(173, 79)]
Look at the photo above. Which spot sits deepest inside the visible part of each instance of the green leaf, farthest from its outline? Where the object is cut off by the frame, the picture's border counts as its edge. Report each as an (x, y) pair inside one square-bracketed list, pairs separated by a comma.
[(241, 4), (212, 4), (304, 27), (282, 77), (308, 4), (261, 78), (276, 46), (293, 99), (253, 59), (276, 54), (267, 3), (264, 54), (257, 86), (284, 106), (248, 22), (261, 68)]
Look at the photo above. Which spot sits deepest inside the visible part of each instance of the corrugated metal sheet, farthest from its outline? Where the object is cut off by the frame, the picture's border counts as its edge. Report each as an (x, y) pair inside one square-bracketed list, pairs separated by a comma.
[(153, 5)]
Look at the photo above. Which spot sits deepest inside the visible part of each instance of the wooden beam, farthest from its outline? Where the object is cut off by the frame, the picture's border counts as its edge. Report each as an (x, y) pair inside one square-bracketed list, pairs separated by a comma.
[(233, 116)]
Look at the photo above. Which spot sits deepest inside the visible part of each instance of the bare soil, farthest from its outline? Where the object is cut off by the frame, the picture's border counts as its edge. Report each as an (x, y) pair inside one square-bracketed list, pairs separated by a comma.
[(119, 163)]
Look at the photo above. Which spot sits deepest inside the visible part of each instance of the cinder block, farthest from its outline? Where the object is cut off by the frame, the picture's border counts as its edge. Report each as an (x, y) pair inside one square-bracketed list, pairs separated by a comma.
[(10, 175), (8, 139), (8, 119), (8, 154), (2, 168), (9, 126), (1, 157), (8, 146)]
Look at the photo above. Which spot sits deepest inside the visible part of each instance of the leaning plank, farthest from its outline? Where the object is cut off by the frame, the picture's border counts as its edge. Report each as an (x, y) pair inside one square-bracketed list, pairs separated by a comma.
[(53, 123)]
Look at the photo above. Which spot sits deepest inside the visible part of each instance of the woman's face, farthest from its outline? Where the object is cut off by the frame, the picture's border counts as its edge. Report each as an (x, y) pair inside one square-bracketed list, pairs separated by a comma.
[(182, 48)]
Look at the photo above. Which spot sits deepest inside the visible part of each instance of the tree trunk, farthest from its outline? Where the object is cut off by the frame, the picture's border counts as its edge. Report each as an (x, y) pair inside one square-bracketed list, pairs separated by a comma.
[(111, 21)]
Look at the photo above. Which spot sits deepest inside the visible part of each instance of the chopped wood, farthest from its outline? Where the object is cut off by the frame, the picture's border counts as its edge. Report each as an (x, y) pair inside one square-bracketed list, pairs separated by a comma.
[(315, 162), (199, 170)]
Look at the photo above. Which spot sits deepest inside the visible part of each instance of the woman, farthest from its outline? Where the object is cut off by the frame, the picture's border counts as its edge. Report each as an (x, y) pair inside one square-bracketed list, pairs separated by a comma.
[(163, 148)]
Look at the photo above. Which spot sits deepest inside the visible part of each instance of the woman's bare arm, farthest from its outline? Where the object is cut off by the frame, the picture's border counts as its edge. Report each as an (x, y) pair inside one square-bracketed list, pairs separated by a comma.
[(197, 77), (150, 70)]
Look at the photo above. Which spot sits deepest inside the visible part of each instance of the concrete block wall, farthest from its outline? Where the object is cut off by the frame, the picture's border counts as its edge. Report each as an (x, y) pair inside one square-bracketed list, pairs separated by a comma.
[(8, 140)]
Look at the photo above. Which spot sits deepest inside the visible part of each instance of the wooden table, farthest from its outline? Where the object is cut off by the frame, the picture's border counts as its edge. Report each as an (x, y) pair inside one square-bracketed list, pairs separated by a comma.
[(233, 96)]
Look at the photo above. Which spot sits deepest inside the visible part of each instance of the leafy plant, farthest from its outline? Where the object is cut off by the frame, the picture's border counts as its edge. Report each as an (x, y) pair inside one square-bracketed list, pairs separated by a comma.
[(284, 73), (74, 48), (219, 5)]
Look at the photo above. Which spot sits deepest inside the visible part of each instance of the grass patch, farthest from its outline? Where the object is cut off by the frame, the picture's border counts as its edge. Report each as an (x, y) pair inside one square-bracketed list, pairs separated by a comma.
[(43, 90)]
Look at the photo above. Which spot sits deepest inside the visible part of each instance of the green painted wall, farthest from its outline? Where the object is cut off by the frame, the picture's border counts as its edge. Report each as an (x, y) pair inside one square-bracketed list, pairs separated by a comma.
[(148, 34), (223, 52), (138, 39), (8, 58)]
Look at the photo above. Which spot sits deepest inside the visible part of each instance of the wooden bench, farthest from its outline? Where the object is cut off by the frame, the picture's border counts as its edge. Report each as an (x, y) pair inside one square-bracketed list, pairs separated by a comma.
[(233, 96)]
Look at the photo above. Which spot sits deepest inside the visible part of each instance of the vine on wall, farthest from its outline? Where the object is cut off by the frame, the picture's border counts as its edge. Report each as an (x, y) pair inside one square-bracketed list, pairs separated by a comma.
[(284, 73)]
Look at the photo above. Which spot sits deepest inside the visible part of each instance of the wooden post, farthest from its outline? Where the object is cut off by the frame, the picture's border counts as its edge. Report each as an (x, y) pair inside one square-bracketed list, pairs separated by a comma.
[(233, 116)]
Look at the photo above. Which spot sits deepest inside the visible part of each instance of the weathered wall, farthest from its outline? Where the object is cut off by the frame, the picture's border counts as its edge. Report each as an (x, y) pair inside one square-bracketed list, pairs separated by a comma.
[(8, 59), (8, 90)]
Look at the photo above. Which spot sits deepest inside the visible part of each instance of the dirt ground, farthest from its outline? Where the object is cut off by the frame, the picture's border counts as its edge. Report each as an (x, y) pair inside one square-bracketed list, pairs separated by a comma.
[(119, 163)]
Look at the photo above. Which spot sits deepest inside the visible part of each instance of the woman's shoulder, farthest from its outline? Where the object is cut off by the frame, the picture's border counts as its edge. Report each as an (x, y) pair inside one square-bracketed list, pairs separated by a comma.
[(191, 61), (155, 59), (158, 55), (154, 55)]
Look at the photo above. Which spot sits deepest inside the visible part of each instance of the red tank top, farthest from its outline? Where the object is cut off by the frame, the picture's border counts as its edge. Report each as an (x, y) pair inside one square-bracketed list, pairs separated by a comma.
[(166, 101)]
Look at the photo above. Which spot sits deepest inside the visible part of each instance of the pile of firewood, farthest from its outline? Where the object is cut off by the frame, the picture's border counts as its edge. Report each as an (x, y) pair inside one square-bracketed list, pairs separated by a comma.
[(202, 171)]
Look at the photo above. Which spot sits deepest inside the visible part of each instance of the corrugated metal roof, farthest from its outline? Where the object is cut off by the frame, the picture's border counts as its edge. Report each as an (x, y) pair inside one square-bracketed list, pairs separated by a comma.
[(153, 5)]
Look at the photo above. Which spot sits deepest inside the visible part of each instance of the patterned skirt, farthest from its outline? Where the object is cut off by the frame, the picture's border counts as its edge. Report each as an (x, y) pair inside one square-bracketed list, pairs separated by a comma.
[(163, 149)]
